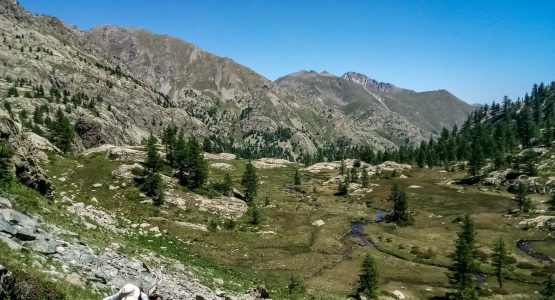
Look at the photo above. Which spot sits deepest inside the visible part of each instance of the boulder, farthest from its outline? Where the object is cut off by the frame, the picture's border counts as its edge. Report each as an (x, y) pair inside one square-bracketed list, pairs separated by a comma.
[(318, 223), (26, 233), (259, 293), (399, 295), (14, 246), (44, 245), (5, 203), (16, 218), (6, 227)]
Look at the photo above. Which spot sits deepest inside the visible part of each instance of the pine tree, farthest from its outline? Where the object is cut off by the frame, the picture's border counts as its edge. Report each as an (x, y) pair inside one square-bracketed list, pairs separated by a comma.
[(6, 167), (227, 184), (353, 175), (548, 292), (62, 131), (499, 260), (153, 186), (364, 178), (465, 265), (400, 206), (342, 167), (523, 202), (196, 165), (297, 178), (343, 187), (254, 214), (527, 128), (368, 282), (249, 183), (153, 161), (476, 160)]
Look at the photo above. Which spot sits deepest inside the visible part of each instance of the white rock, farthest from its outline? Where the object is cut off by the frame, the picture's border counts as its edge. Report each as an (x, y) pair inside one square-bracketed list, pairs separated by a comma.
[(399, 295), (97, 185), (111, 187), (93, 199), (62, 179), (318, 223)]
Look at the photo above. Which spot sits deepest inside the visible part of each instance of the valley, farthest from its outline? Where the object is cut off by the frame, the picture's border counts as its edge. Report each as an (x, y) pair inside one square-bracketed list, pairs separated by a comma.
[(132, 157), (288, 241)]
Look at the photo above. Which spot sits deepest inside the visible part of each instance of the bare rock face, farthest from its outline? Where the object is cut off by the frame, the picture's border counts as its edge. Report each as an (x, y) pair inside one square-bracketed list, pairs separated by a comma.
[(27, 157)]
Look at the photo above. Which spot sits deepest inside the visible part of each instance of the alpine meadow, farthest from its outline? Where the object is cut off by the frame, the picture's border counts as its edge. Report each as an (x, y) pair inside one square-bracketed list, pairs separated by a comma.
[(136, 165)]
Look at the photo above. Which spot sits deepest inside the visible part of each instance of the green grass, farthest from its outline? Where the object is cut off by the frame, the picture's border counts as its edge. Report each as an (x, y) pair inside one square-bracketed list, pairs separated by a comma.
[(326, 258)]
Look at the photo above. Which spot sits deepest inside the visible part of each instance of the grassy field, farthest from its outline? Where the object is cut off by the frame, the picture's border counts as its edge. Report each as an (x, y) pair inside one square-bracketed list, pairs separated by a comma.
[(411, 259)]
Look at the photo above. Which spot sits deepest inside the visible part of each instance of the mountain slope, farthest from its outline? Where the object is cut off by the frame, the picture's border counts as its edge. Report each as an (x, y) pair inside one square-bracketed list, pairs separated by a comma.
[(430, 110), (118, 84)]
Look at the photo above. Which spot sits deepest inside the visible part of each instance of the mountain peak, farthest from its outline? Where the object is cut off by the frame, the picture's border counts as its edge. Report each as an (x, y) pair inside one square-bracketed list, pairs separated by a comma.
[(371, 84)]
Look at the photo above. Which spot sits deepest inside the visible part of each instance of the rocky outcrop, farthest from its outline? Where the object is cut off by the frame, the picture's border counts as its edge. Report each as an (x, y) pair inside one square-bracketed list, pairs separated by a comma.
[(27, 157), (370, 83), (102, 270), (511, 179)]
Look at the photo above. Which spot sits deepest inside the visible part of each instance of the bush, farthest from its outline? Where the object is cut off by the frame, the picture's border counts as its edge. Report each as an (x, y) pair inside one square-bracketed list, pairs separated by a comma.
[(525, 265), (208, 191), (22, 286), (230, 224), (213, 225)]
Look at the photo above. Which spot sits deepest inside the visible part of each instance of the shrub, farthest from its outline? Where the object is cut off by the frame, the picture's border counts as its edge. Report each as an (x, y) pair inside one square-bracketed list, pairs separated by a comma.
[(525, 265)]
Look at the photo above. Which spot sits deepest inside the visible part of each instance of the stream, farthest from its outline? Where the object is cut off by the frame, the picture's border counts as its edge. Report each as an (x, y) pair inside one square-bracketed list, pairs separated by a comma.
[(526, 247)]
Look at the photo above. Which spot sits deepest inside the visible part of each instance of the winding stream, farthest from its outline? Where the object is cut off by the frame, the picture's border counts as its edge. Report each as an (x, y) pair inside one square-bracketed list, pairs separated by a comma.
[(526, 247)]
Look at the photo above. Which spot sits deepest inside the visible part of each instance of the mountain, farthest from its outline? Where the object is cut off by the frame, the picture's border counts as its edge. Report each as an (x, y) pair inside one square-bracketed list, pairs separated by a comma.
[(118, 84), (430, 110)]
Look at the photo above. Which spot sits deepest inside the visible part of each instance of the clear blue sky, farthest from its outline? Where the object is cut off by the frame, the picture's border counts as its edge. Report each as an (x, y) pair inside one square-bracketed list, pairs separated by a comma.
[(479, 50)]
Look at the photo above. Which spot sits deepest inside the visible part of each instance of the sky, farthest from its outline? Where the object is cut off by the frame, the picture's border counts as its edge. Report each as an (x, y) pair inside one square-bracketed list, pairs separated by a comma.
[(478, 50)]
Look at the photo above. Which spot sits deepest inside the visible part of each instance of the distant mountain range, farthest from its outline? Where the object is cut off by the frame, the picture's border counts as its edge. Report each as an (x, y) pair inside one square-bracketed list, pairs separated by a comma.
[(140, 81)]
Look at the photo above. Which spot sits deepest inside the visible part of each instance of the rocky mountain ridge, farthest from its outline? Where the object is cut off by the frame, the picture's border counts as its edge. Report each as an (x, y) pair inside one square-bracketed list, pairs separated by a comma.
[(121, 83)]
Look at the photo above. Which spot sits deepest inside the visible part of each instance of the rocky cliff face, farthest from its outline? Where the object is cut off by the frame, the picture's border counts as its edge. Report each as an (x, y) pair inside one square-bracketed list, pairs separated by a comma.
[(371, 84)]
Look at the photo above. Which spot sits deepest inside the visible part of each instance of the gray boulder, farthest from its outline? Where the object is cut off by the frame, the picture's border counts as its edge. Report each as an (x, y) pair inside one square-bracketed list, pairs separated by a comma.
[(6, 227), (43, 245), (5, 203), (16, 218), (11, 244)]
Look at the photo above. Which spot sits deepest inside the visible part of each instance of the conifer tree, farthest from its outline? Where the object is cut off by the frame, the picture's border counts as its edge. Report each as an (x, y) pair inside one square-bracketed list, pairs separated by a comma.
[(196, 165), (400, 205), (342, 167), (548, 291), (6, 167), (527, 128), (499, 260), (368, 282), (255, 216), (249, 183), (227, 184), (153, 186), (465, 265), (153, 161), (62, 131), (353, 175), (343, 187), (523, 202), (476, 160), (297, 178), (364, 178)]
